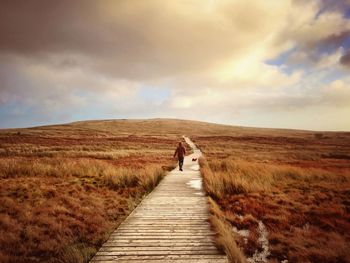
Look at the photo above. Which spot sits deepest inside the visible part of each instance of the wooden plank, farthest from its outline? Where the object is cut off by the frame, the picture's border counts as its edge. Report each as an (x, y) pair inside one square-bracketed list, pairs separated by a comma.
[(160, 257), (202, 260), (163, 243), (162, 248), (155, 236), (158, 252), (148, 243), (163, 231)]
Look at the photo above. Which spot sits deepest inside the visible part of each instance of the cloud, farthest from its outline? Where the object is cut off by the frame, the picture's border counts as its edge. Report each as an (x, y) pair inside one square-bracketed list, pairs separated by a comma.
[(345, 59), (337, 93), (330, 60), (93, 59), (150, 40)]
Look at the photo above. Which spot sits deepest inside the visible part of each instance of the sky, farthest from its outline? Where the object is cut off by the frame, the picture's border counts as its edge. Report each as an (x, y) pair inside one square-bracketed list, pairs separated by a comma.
[(271, 63)]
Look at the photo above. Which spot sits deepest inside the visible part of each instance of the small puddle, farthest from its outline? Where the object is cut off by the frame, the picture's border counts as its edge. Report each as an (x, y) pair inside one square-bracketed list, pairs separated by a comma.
[(195, 183)]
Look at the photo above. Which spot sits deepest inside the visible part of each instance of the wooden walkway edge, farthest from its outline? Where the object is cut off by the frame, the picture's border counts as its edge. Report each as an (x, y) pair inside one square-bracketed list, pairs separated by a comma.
[(169, 225)]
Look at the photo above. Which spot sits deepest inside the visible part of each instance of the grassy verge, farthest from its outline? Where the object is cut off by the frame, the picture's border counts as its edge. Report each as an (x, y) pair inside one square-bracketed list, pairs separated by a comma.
[(225, 239)]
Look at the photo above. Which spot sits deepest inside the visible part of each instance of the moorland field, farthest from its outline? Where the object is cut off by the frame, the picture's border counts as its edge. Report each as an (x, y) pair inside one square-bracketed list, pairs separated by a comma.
[(64, 188), (297, 183)]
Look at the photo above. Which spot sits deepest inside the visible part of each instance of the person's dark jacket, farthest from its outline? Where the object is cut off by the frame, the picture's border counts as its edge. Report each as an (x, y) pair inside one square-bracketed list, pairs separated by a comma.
[(180, 152)]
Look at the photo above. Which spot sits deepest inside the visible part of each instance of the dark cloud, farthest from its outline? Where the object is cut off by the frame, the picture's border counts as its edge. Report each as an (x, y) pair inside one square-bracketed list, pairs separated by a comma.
[(136, 40), (334, 5), (345, 59), (129, 39), (335, 40), (41, 26)]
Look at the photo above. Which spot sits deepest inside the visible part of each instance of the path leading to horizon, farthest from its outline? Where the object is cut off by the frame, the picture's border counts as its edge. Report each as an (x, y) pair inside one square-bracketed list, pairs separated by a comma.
[(169, 225)]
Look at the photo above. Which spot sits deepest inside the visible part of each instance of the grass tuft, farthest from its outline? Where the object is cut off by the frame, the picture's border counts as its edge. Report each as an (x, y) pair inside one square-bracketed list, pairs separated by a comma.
[(225, 239)]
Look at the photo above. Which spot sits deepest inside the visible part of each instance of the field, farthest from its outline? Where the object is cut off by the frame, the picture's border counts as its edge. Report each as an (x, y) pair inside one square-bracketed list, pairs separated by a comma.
[(64, 188), (275, 195), (283, 195)]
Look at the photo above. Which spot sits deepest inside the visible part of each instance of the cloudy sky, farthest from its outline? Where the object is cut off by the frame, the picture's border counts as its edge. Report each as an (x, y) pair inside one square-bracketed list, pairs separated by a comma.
[(271, 63)]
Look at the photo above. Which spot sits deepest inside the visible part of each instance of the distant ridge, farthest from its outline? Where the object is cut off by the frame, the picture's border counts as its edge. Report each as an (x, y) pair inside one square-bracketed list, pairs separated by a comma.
[(157, 126)]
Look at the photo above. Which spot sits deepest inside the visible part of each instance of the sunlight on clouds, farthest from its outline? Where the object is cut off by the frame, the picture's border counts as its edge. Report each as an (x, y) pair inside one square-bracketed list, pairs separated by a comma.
[(337, 85), (339, 88), (330, 60), (252, 72), (182, 102), (220, 60)]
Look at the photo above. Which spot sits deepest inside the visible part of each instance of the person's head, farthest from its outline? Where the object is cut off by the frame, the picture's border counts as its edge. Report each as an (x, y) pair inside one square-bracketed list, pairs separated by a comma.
[(180, 143)]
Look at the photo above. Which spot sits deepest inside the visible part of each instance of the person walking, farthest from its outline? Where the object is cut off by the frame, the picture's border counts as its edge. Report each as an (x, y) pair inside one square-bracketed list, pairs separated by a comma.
[(180, 152)]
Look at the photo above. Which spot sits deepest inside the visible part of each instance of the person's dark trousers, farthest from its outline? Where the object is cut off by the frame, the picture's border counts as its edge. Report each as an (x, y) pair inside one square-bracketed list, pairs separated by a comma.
[(181, 162)]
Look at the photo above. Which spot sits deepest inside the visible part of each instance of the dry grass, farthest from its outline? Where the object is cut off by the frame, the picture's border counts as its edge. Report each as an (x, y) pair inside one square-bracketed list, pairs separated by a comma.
[(231, 176), (64, 189), (299, 193), (225, 239), (65, 209)]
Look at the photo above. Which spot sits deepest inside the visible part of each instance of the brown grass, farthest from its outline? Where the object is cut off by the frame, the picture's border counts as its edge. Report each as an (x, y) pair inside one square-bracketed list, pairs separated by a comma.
[(65, 209), (225, 238), (230, 176), (64, 189), (300, 195)]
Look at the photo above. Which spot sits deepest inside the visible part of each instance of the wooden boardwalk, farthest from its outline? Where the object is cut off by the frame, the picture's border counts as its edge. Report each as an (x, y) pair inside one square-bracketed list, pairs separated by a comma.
[(170, 224)]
